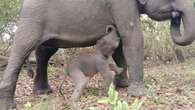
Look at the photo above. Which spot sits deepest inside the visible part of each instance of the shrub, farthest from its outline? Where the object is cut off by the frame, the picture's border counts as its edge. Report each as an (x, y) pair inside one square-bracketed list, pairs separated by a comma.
[(114, 103)]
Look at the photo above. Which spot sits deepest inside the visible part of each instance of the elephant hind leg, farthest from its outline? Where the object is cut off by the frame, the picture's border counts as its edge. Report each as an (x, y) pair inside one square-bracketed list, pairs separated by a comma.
[(80, 81), (27, 37), (43, 55)]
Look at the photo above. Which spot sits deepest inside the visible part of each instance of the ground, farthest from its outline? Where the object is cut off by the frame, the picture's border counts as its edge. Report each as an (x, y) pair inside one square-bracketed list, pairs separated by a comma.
[(169, 87)]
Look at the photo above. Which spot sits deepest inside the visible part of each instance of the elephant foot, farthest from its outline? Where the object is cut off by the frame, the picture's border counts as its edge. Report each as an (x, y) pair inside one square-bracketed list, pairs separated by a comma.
[(136, 89), (6, 99), (42, 90), (121, 81)]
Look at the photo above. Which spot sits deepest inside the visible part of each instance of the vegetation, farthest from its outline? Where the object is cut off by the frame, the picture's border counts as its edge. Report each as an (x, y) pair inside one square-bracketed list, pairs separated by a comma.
[(158, 44), (9, 10), (194, 2), (114, 103)]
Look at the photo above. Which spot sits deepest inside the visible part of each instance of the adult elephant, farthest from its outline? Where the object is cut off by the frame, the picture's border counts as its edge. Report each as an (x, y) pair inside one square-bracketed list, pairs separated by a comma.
[(157, 10), (50, 24)]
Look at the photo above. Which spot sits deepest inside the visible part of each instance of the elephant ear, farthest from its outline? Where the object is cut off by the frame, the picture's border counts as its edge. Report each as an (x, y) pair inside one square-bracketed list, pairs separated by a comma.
[(142, 2)]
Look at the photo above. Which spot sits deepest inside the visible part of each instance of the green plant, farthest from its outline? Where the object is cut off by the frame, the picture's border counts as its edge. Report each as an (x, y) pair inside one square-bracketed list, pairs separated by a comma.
[(112, 97), (194, 2), (9, 10), (136, 105), (115, 103)]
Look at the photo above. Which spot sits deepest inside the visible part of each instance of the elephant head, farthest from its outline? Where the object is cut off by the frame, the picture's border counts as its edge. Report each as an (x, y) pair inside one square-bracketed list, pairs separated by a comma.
[(177, 11)]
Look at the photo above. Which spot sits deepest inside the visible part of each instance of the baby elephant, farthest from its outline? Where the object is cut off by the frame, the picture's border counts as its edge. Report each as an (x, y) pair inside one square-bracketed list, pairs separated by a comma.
[(82, 68)]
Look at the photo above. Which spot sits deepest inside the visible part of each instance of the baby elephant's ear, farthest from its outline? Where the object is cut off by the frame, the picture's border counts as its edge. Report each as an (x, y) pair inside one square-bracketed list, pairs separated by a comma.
[(110, 28)]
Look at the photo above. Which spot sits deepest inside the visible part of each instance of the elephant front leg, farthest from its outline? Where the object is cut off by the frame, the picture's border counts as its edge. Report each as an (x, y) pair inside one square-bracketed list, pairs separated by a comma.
[(43, 54), (27, 38), (128, 24), (134, 54)]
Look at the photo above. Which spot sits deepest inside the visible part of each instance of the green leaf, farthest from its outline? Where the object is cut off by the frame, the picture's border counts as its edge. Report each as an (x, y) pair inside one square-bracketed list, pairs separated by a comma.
[(114, 98), (28, 105), (119, 106), (112, 95), (111, 90), (136, 105), (125, 106), (194, 2), (104, 100)]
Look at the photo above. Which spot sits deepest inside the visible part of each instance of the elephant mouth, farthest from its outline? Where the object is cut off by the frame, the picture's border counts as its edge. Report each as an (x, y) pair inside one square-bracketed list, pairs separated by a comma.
[(175, 26), (176, 19), (175, 15)]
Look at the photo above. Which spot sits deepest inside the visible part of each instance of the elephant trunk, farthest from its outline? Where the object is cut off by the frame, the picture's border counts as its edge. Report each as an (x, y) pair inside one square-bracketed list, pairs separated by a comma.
[(189, 28)]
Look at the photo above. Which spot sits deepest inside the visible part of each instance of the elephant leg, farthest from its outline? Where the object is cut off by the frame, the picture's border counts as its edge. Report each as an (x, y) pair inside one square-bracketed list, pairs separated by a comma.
[(129, 28), (135, 61), (27, 38), (43, 55), (80, 81), (118, 56)]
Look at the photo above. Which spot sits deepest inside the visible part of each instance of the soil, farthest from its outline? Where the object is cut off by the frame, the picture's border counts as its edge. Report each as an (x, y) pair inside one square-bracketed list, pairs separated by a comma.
[(169, 87)]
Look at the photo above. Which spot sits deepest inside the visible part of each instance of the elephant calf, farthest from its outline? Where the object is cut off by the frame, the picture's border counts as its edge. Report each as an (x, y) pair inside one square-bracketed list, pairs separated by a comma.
[(82, 68)]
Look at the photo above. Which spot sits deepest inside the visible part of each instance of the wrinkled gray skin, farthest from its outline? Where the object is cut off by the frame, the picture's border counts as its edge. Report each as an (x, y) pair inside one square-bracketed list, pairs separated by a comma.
[(50, 24), (85, 66), (156, 9), (176, 10)]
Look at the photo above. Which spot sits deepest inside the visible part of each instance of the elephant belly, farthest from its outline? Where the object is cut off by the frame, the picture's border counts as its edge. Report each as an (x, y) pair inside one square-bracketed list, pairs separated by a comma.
[(76, 22), (69, 41)]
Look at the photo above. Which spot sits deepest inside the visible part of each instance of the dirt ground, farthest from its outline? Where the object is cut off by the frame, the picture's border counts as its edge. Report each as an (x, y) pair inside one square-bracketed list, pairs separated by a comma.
[(169, 87)]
